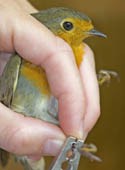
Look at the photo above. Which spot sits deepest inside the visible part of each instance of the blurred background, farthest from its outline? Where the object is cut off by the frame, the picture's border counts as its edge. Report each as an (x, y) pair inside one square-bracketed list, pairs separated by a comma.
[(108, 134)]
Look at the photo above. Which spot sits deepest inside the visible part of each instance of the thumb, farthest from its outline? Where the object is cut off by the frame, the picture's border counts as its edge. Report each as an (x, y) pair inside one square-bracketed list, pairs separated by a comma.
[(28, 136)]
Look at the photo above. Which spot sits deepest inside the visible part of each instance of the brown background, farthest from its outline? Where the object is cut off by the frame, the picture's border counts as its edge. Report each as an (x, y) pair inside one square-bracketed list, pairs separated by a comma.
[(108, 134)]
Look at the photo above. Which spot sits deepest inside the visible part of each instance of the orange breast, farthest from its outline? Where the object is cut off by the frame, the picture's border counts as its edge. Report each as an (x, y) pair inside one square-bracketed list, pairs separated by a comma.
[(36, 75)]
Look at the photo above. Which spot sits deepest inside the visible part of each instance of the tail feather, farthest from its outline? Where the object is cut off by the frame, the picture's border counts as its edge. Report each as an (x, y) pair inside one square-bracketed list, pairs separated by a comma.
[(4, 157)]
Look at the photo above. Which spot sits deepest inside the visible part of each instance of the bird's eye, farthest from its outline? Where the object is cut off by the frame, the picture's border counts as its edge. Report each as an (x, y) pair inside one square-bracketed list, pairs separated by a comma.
[(67, 25)]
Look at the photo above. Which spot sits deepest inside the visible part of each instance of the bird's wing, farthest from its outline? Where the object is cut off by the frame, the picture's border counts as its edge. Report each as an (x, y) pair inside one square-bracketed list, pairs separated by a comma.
[(8, 79)]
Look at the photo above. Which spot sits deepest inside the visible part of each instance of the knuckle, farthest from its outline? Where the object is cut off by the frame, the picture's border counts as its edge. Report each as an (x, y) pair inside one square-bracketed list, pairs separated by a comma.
[(19, 141), (62, 45)]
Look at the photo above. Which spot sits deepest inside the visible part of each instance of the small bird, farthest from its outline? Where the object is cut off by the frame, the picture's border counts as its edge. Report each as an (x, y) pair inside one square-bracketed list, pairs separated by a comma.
[(24, 87)]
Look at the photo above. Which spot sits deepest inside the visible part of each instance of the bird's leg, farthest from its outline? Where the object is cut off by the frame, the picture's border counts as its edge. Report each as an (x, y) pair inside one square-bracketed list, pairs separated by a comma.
[(88, 151), (30, 164), (105, 76)]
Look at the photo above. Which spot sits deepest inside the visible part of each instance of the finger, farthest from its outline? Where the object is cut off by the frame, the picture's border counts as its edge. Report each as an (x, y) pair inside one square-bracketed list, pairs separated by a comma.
[(18, 134), (24, 5), (67, 87), (4, 57), (90, 83), (41, 47)]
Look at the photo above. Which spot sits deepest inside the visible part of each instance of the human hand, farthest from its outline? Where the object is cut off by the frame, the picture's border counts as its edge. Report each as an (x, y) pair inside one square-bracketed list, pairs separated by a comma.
[(76, 90)]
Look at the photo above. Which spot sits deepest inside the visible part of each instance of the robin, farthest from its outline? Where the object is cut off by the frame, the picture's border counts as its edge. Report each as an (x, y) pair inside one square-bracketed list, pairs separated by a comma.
[(26, 90)]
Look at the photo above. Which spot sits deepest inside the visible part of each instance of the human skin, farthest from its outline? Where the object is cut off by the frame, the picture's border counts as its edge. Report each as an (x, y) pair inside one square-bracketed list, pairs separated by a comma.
[(78, 97)]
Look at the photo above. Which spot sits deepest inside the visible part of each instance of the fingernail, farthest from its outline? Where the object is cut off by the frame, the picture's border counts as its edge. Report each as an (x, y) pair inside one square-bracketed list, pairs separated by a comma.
[(52, 147), (81, 135)]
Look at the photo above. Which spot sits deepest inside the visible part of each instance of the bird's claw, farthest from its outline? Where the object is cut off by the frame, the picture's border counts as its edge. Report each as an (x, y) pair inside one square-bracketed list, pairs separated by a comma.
[(105, 76), (88, 151)]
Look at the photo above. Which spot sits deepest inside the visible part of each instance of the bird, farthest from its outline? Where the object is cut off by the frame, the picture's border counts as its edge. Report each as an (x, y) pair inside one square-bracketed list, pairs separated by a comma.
[(27, 90)]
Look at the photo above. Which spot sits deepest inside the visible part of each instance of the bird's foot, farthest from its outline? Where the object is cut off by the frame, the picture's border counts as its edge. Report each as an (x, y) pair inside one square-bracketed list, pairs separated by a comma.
[(105, 76), (88, 151)]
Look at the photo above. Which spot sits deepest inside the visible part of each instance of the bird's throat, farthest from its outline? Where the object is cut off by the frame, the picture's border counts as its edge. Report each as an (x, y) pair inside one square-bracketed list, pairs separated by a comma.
[(78, 52)]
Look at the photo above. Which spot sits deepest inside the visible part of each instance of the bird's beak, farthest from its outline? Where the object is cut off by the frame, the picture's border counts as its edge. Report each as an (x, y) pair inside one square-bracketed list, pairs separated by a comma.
[(96, 33)]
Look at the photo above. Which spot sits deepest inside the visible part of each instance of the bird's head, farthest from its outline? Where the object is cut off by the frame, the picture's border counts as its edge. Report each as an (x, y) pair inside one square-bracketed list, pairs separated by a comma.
[(69, 24)]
